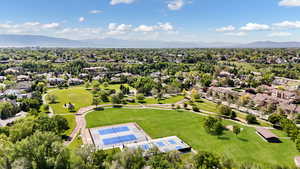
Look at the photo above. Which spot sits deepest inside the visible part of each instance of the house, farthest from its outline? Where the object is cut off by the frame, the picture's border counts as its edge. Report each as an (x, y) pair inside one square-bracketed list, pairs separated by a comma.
[(21, 78), (24, 85), (2, 78), (267, 135), (56, 81), (75, 81), (225, 74), (11, 71)]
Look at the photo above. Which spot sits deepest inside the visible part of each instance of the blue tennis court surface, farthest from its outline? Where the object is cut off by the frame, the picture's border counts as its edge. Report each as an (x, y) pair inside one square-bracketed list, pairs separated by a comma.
[(172, 142), (160, 144), (113, 130), (165, 144), (120, 139)]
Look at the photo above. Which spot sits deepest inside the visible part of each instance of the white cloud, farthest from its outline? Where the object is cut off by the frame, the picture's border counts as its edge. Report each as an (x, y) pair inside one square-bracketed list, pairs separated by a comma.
[(144, 28), (175, 4), (255, 27), (279, 34), (288, 24), (51, 25), (115, 2), (166, 26), (226, 29), (115, 29), (28, 27), (236, 34), (81, 19), (159, 27), (95, 11), (290, 3)]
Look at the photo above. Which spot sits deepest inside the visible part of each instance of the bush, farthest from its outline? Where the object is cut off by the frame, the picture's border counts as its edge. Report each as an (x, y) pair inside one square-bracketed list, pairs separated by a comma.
[(195, 108), (251, 119), (213, 126)]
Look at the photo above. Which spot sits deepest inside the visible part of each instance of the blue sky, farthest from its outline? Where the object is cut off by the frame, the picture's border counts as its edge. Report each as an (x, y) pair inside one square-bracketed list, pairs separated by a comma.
[(169, 20)]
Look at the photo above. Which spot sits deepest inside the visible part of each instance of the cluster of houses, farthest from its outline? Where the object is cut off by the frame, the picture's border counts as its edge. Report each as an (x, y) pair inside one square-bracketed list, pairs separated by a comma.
[(276, 97)]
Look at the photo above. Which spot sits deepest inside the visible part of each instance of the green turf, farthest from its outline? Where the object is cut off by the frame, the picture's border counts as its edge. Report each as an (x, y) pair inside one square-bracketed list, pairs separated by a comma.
[(207, 106), (247, 146), (72, 123), (78, 96), (76, 143), (174, 99)]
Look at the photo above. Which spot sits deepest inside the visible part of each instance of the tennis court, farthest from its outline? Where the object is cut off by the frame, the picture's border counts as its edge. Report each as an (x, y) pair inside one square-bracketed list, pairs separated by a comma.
[(117, 135), (165, 144)]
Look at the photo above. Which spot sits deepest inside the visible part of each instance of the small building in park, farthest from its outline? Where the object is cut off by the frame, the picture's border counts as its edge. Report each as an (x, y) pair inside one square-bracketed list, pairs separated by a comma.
[(267, 135)]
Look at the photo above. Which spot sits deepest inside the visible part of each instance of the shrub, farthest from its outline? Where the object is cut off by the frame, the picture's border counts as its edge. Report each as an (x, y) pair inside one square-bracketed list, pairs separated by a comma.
[(251, 119), (195, 108)]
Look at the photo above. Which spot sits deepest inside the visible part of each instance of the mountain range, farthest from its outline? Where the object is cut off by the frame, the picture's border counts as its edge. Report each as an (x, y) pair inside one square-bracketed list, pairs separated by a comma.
[(45, 41)]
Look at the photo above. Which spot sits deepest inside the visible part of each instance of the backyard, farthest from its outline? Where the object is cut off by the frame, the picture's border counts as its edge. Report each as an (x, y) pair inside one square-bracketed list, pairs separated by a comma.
[(188, 126)]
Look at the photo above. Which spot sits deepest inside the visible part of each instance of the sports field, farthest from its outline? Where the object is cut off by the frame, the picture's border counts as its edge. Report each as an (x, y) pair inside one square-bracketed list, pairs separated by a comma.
[(247, 146), (78, 96)]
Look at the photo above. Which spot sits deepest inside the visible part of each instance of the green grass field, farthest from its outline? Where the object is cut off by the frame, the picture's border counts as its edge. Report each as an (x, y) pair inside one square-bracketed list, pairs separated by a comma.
[(72, 123), (76, 95), (247, 146), (207, 105), (174, 99)]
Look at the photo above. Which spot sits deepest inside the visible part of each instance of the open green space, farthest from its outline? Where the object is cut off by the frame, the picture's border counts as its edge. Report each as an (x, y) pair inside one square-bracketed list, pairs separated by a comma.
[(247, 146), (207, 105), (78, 96), (172, 99), (72, 123)]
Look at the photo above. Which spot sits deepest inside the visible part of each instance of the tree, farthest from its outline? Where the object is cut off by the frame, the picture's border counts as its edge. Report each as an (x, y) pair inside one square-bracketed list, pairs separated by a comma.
[(88, 85), (7, 109), (275, 118), (251, 119), (195, 108), (51, 98), (213, 126), (104, 96), (140, 97), (115, 99), (96, 101), (45, 108), (129, 159), (225, 110), (233, 115), (236, 130), (43, 150), (206, 160), (90, 158)]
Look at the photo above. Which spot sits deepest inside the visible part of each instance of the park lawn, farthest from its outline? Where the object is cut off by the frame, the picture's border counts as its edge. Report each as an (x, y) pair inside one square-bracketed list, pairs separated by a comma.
[(78, 96), (207, 105), (170, 100), (247, 146), (76, 143), (72, 123), (115, 86)]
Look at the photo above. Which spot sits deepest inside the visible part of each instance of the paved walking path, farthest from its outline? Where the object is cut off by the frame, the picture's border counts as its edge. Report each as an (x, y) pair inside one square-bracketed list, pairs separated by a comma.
[(84, 132)]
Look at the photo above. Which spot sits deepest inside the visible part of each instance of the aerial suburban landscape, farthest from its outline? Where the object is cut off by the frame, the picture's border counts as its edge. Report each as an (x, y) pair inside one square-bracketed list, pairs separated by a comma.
[(141, 96)]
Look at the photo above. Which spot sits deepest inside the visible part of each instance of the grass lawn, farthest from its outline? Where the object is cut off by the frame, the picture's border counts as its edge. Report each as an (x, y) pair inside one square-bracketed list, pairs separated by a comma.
[(247, 146), (174, 99), (115, 86), (76, 95), (76, 143), (207, 106), (72, 123)]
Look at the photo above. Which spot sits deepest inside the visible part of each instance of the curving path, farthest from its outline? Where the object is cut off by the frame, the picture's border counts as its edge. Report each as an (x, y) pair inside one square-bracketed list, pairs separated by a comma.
[(85, 135)]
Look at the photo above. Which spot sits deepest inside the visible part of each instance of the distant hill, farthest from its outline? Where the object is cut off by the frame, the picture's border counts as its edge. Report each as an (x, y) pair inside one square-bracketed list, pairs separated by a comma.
[(35, 40), (270, 44), (45, 41)]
